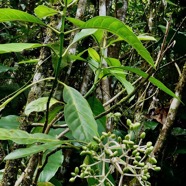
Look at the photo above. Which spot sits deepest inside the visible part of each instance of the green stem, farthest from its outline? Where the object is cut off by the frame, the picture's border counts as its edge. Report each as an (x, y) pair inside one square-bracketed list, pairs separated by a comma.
[(57, 70)]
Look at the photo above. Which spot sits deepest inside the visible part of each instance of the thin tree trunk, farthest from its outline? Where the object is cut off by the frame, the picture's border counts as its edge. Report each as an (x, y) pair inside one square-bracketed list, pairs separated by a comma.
[(171, 115)]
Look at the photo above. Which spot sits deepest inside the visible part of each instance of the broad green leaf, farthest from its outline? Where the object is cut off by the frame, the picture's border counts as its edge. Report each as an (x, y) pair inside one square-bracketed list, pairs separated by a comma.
[(5, 68), (146, 38), (9, 122), (113, 62), (44, 11), (39, 105), (7, 14), (54, 162), (94, 55), (118, 28), (78, 115), (24, 152), (153, 80), (22, 137), (76, 22), (17, 47)]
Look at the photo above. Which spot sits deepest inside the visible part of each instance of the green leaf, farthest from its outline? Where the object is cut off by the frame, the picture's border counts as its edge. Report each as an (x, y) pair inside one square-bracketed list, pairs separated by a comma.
[(17, 47), (146, 38), (75, 21), (94, 55), (118, 28), (153, 80), (44, 11), (39, 105), (24, 152), (5, 68), (78, 115), (9, 122), (22, 137), (97, 108), (177, 131), (150, 125), (7, 14), (54, 162)]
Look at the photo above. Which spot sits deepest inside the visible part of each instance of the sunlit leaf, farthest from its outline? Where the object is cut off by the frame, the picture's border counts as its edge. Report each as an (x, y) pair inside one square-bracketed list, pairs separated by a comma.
[(118, 28), (39, 105), (7, 14), (22, 137), (44, 11), (146, 38), (18, 47), (78, 115), (94, 55), (24, 152)]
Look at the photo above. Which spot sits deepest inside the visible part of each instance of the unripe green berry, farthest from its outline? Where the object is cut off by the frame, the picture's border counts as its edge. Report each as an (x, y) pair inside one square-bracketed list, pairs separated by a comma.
[(144, 177), (157, 169), (136, 126), (135, 162), (113, 136), (141, 164), (129, 123), (119, 139), (134, 152), (117, 114), (127, 137), (73, 173), (152, 160), (143, 134), (114, 154), (128, 142), (82, 175), (72, 179), (96, 139), (135, 146), (149, 144), (138, 158), (76, 170)]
